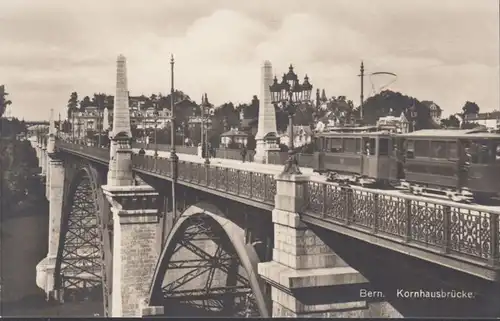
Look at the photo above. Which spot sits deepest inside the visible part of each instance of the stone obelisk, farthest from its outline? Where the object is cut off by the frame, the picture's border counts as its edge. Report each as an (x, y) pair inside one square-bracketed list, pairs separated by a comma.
[(267, 114), (121, 135)]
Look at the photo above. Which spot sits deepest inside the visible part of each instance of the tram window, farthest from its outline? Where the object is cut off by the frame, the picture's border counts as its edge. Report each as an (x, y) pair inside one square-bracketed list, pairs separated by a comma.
[(452, 150), (335, 145), (422, 148), (358, 145), (409, 146), (319, 143), (438, 150), (369, 146), (383, 147), (497, 152), (350, 145), (480, 152)]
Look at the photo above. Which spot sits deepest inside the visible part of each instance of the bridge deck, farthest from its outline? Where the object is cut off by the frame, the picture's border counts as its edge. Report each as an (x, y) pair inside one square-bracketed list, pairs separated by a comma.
[(460, 236)]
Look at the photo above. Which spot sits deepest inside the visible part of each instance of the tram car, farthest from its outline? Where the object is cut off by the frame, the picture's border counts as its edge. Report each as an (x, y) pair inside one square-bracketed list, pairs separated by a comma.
[(365, 158), (462, 165)]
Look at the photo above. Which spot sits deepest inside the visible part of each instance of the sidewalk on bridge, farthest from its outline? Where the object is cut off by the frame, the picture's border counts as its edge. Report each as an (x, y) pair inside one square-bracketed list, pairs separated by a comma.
[(232, 163)]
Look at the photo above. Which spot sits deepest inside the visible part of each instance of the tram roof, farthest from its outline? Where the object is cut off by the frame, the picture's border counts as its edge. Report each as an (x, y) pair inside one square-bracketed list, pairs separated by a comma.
[(356, 134), (451, 133)]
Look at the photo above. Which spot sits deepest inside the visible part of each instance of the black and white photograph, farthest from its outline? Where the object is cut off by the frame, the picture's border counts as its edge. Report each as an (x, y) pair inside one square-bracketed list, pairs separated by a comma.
[(250, 159)]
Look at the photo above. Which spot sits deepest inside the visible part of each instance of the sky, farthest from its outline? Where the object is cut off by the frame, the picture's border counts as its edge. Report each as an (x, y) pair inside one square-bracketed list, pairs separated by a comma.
[(446, 51)]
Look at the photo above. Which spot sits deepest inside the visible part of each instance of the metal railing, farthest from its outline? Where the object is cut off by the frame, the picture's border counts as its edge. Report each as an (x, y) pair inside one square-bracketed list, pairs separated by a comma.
[(471, 231)]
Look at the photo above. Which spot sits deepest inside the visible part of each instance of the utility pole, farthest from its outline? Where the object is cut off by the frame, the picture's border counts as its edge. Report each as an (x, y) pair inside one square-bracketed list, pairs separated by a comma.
[(362, 76)]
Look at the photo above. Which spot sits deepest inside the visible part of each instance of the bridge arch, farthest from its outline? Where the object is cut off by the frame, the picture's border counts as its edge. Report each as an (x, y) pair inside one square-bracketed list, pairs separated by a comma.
[(83, 268), (243, 291)]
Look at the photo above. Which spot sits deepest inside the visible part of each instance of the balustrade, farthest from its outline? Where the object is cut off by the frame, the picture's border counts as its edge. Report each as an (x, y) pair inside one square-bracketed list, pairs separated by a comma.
[(449, 227)]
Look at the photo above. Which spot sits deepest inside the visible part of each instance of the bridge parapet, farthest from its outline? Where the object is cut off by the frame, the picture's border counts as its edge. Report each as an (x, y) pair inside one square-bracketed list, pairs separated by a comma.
[(462, 233)]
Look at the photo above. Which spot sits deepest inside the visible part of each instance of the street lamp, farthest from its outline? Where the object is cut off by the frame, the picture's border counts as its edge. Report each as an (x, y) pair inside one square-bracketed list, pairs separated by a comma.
[(288, 94), (413, 116), (99, 125), (156, 125), (205, 108)]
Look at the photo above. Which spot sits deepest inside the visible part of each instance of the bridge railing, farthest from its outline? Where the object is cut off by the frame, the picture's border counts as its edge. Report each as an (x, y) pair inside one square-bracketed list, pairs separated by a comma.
[(472, 232), (247, 184), (101, 153), (181, 149)]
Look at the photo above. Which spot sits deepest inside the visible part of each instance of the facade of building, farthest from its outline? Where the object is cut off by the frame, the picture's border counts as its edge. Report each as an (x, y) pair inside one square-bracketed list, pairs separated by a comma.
[(302, 135), (489, 120), (235, 136), (394, 124), (88, 121)]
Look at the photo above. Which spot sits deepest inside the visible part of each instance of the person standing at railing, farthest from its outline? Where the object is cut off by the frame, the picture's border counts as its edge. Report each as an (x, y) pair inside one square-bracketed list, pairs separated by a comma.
[(243, 153)]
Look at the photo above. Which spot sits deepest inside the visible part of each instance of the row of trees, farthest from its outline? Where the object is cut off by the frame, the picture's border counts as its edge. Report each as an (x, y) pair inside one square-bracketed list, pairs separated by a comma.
[(18, 168), (4, 102)]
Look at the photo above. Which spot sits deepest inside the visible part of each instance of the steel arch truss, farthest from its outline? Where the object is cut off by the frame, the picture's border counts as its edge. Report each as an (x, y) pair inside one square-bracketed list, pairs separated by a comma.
[(84, 262), (202, 269)]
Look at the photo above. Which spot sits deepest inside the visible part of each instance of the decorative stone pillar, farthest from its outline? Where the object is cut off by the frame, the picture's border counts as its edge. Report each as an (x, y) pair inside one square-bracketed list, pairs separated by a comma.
[(135, 213), (47, 180), (43, 160), (308, 279), (267, 113), (135, 220)]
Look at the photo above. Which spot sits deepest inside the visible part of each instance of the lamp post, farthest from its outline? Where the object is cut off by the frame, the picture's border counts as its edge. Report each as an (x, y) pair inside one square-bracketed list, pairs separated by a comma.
[(156, 125), (205, 106), (99, 125), (413, 116), (288, 94), (73, 125)]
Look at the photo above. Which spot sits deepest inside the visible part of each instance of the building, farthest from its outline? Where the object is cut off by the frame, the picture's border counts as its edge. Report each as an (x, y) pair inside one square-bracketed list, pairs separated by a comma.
[(302, 135), (489, 120), (393, 123), (88, 122), (234, 138), (434, 109)]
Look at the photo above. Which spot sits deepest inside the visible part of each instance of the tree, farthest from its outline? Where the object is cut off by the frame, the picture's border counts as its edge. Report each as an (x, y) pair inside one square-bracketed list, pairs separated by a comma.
[(72, 103), (470, 108), (99, 100), (450, 122), (17, 163), (4, 102), (389, 103), (86, 102), (66, 126), (251, 110)]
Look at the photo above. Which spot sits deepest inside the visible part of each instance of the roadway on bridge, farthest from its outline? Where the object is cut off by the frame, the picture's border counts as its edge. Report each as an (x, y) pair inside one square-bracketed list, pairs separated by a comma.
[(276, 169), (232, 163)]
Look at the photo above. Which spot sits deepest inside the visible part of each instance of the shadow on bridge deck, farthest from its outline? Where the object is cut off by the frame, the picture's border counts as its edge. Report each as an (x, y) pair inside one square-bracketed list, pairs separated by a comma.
[(390, 272)]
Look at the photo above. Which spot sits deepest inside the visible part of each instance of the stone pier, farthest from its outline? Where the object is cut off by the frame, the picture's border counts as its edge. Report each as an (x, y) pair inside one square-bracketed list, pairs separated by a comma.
[(55, 193), (135, 215), (308, 279)]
